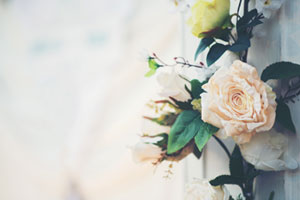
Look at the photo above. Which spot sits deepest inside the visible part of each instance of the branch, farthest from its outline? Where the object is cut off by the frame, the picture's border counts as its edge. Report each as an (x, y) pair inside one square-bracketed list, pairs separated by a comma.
[(223, 146)]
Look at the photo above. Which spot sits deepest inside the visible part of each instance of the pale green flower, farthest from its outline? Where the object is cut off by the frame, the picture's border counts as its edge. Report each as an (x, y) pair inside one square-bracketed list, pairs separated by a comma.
[(208, 17), (196, 103)]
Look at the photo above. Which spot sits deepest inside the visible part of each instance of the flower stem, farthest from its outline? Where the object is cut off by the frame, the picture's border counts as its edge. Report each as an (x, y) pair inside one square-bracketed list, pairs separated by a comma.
[(238, 10), (246, 10), (223, 146)]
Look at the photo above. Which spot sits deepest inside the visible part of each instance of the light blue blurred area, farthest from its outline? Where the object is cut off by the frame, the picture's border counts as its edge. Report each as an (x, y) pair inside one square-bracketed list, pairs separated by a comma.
[(72, 92)]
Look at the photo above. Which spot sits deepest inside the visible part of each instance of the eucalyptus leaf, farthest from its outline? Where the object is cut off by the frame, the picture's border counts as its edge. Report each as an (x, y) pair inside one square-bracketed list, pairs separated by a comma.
[(281, 70), (205, 132), (215, 52), (183, 130), (283, 116), (204, 43)]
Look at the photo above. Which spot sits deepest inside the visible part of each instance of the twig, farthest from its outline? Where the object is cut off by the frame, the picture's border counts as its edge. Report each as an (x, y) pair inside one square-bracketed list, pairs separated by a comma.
[(183, 62), (223, 146)]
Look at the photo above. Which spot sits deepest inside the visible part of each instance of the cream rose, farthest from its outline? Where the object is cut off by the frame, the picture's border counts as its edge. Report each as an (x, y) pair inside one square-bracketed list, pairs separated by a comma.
[(202, 190), (268, 151), (238, 102)]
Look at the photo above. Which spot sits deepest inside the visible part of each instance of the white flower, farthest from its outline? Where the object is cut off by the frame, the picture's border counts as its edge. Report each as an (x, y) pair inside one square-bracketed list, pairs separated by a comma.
[(181, 5), (267, 7), (201, 74), (143, 152), (268, 151), (202, 190), (171, 84)]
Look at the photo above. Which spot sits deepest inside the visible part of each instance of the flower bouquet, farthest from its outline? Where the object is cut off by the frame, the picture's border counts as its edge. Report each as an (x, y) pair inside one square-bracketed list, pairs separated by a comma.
[(204, 100)]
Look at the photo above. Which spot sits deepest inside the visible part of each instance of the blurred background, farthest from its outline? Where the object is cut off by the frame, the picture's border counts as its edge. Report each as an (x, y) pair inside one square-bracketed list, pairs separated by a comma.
[(72, 95)]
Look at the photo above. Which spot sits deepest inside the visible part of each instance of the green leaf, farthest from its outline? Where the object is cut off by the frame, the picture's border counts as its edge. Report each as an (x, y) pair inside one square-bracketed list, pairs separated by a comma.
[(271, 197), (163, 142), (153, 66), (236, 163), (283, 116), (204, 43), (226, 179), (151, 72), (204, 134), (196, 88), (183, 130), (215, 52), (281, 70)]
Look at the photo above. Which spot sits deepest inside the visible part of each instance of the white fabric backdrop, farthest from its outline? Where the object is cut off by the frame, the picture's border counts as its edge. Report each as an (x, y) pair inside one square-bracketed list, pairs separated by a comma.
[(72, 93)]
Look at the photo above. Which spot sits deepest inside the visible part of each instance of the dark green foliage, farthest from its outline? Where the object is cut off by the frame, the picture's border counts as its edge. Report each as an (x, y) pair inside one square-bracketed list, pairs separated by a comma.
[(204, 43), (236, 163), (283, 116), (215, 52), (281, 70)]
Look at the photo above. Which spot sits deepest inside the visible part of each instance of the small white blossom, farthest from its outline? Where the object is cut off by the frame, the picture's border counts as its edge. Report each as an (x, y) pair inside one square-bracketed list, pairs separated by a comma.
[(268, 151), (202, 74), (171, 84), (202, 190), (143, 152), (267, 7)]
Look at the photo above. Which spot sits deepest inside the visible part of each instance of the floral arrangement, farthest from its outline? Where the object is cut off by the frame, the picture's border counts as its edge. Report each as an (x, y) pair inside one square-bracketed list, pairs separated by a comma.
[(204, 101)]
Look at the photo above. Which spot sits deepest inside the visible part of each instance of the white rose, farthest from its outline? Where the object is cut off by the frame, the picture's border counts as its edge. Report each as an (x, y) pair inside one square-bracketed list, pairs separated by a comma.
[(143, 152), (171, 84), (268, 151), (202, 190)]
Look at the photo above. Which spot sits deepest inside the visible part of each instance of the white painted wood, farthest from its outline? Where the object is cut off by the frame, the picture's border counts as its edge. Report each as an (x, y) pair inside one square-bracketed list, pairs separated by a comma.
[(281, 42)]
